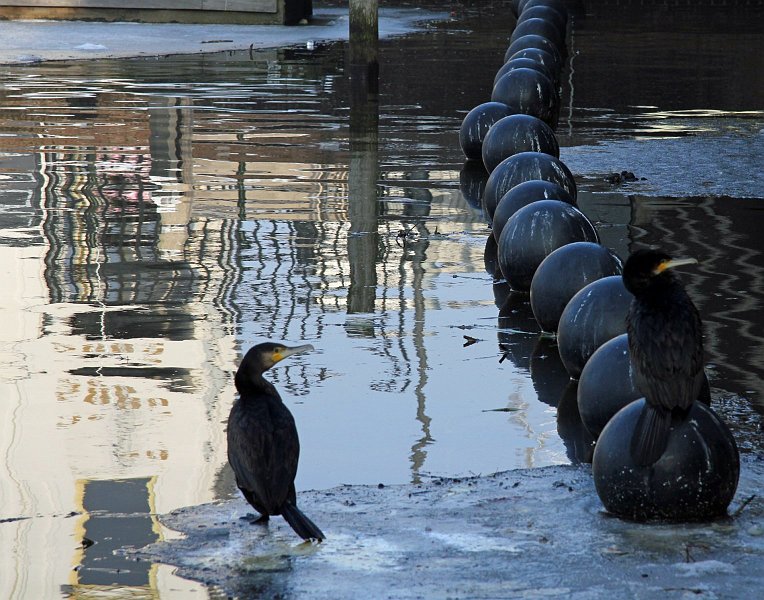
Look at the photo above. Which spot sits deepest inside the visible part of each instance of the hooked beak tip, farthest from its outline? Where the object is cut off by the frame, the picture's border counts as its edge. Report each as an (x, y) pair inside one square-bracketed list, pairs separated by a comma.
[(675, 262)]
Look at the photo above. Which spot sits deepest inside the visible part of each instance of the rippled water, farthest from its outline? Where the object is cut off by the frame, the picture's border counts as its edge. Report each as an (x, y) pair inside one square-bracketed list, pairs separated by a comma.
[(158, 217)]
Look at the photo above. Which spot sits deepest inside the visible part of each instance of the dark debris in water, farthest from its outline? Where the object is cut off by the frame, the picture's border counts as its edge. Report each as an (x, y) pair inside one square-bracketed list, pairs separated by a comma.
[(469, 340), (622, 177), (13, 519)]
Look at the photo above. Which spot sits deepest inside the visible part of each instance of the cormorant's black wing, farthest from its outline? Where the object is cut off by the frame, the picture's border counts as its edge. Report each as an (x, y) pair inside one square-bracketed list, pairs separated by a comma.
[(667, 350), (263, 450)]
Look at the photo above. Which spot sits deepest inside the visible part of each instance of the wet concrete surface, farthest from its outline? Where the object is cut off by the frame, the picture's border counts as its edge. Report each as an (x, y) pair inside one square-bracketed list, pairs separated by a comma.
[(36, 41), (536, 533)]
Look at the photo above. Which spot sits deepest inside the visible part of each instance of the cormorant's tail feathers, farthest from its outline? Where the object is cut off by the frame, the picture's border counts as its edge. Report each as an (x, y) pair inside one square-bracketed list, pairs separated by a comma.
[(301, 524), (650, 437)]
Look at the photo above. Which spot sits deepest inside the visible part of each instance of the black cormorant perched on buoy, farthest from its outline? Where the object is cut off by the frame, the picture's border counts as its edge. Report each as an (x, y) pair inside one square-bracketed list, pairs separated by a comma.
[(263, 447), (665, 345)]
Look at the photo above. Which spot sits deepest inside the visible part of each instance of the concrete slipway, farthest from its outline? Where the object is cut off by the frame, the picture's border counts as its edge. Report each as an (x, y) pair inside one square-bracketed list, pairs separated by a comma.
[(35, 41), (537, 533)]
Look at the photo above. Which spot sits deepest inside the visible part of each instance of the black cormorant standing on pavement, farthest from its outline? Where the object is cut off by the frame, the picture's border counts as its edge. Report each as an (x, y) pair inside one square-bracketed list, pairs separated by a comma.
[(263, 447), (665, 345)]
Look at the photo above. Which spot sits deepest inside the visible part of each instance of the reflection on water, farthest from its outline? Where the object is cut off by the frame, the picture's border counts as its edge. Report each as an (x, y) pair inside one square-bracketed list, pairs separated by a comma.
[(114, 513), (158, 217)]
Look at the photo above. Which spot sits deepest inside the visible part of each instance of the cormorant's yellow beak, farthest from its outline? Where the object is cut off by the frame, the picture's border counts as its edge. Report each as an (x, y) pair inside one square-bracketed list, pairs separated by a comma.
[(674, 262), (284, 352)]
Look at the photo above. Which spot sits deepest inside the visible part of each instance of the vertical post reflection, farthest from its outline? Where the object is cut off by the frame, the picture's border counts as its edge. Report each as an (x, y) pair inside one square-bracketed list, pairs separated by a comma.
[(170, 147), (363, 208), (418, 450), (415, 253)]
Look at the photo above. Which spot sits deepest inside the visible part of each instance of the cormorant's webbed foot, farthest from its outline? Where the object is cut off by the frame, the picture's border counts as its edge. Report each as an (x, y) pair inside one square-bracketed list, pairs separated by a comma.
[(256, 519)]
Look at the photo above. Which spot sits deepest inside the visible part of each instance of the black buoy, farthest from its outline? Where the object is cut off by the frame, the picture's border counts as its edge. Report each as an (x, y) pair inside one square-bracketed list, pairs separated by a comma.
[(528, 92), (556, 5), (535, 231), (523, 167), (596, 314), (535, 41), (522, 195), (695, 478), (523, 63), (542, 27), (548, 14), (515, 134), (607, 384), (477, 123), (544, 58), (563, 273)]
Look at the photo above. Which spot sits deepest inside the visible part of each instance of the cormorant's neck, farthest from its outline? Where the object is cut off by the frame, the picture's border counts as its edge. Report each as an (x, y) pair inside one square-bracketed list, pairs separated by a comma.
[(254, 383), (661, 291)]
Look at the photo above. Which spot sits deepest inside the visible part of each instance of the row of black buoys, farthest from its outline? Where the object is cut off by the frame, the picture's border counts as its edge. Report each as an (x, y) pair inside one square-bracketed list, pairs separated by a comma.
[(543, 244), (527, 83)]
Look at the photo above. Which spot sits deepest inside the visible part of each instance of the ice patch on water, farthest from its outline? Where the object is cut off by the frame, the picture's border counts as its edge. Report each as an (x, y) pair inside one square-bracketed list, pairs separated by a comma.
[(704, 567), (91, 47), (470, 542), (360, 553), (705, 164)]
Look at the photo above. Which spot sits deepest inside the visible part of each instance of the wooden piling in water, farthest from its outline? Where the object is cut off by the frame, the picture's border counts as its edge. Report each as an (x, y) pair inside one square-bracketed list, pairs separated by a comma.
[(364, 44)]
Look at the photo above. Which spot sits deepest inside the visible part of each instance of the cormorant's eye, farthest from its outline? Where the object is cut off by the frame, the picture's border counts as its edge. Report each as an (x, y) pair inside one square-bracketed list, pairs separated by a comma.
[(660, 267)]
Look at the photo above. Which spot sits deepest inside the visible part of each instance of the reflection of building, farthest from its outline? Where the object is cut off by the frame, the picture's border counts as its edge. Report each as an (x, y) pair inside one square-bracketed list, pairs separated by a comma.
[(156, 243), (114, 513), (116, 376)]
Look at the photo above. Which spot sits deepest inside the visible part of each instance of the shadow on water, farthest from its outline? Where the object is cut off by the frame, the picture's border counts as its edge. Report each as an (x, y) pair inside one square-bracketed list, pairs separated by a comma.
[(158, 217)]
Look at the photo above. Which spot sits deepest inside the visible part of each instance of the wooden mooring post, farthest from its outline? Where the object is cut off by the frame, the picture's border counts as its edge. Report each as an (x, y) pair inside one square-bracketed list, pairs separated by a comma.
[(364, 46)]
